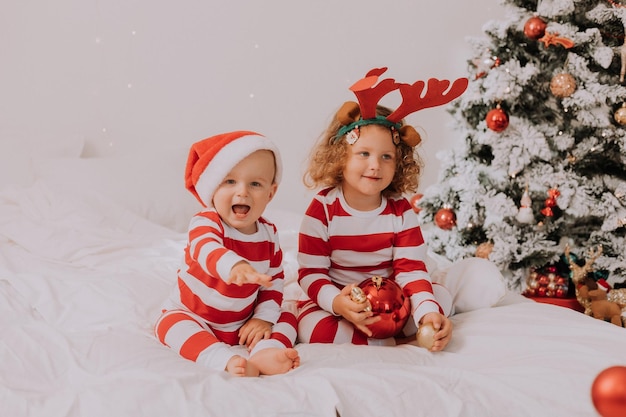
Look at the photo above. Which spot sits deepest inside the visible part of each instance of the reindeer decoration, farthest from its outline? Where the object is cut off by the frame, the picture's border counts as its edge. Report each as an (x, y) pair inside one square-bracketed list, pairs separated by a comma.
[(595, 301), (579, 273)]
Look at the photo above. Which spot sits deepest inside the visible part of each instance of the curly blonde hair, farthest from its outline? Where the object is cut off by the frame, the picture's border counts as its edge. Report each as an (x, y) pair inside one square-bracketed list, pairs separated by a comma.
[(329, 155)]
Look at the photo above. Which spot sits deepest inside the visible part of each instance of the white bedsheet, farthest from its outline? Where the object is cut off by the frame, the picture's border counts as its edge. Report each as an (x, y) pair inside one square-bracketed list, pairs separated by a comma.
[(81, 281)]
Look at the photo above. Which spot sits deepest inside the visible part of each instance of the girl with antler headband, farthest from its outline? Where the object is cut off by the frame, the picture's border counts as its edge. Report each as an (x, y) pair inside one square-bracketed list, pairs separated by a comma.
[(361, 225)]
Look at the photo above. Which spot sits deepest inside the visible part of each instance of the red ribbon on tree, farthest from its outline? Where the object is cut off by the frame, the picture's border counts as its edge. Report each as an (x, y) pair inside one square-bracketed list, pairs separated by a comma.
[(554, 39)]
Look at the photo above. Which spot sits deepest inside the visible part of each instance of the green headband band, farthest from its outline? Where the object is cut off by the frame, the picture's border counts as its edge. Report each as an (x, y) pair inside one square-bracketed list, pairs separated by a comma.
[(379, 120)]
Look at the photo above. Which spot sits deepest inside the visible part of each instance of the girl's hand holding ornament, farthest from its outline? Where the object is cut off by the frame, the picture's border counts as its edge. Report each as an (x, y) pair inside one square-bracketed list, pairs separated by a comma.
[(355, 312), (435, 332)]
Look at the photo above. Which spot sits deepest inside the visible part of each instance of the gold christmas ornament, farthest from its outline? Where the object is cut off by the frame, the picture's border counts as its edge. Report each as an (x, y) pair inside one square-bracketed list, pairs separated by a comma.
[(563, 85), (620, 115), (571, 158), (358, 296), (483, 250), (426, 336)]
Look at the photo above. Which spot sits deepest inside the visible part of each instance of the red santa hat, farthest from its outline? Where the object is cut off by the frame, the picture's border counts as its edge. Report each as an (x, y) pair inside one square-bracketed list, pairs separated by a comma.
[(603, 285), (211, 159)]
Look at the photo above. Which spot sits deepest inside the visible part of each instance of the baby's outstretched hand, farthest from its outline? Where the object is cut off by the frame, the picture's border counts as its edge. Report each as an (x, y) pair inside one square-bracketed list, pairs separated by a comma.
[(354, 312), (244, 273)]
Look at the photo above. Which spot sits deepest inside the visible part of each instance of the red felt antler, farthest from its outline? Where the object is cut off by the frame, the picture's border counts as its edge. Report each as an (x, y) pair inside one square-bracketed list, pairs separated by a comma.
[(436, 95), (369, 93)]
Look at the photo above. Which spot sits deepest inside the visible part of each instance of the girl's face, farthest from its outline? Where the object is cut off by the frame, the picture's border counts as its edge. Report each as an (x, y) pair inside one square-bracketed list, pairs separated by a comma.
[(244, 193), (370, 167)]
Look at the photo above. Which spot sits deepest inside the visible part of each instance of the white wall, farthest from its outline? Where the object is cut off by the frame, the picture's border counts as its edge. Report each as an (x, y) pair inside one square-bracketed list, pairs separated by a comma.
[(132, 74)]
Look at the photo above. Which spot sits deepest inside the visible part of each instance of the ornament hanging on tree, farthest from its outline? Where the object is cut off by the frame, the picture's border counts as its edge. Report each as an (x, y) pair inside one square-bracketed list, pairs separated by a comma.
[(554, 39), (525, 213), (415, 202), (550, 203), (563, 85), (620, 115), (484, 63), (484, 250), (445, 218), (497, 119), (535, 27)]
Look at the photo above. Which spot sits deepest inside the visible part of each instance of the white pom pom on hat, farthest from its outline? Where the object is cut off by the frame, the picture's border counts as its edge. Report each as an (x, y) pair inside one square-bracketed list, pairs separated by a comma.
[(211, 159)]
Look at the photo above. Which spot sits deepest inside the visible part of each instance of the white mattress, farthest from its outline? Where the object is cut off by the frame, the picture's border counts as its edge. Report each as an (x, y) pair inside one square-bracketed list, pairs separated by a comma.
[(81, 280)]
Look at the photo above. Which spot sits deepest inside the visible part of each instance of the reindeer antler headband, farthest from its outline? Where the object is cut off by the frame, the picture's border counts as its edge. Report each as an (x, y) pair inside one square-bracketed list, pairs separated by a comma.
[(353, 115)]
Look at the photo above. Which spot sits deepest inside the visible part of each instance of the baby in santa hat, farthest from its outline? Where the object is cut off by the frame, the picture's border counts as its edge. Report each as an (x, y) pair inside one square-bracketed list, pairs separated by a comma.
[(225, 311)]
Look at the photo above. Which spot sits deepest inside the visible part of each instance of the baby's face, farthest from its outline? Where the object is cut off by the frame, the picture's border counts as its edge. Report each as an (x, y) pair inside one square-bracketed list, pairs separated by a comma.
[(246, 190)]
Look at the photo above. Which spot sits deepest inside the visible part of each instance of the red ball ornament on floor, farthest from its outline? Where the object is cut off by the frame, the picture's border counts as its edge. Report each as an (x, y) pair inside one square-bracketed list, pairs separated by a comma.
[(497, 119), (608, 392), (415, 202), (535, 28), (387, 300), (445, 218)]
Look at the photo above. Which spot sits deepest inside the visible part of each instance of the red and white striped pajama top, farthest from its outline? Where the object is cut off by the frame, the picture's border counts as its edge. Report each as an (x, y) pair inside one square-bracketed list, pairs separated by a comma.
[(339, 246), (212, 250)]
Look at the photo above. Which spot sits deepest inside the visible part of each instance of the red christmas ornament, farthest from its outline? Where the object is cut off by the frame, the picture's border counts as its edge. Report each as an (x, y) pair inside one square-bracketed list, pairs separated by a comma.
[(484, 63), (387, 300), (415, 202), (560, 292), (497, 119), (535, 28), (608, 392), (543, 283), (445, 218), (550, 202)]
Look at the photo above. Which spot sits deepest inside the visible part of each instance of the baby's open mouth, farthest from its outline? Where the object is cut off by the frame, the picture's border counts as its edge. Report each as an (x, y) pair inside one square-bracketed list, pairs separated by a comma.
[(241, 209)]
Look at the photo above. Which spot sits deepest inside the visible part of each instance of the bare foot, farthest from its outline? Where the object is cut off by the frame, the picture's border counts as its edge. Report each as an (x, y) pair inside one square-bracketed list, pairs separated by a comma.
[(239, 366), (272, 361)]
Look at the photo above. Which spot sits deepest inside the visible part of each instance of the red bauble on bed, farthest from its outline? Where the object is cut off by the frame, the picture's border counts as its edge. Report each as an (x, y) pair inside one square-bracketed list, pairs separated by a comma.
[(608, 392), (387, 301)]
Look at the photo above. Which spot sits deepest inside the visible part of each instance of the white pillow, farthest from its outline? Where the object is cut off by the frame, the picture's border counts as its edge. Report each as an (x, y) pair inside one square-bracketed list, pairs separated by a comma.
[(473, 282), (16, 167), (18, 151), (150, 184)]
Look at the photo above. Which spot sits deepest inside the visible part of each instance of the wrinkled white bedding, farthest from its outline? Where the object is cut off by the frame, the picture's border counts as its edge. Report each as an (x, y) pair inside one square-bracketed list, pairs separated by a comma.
[(81, 280)]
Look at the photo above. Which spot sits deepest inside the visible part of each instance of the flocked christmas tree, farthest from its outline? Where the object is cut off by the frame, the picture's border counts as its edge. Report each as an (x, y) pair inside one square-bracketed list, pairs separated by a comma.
[(542, 161)]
